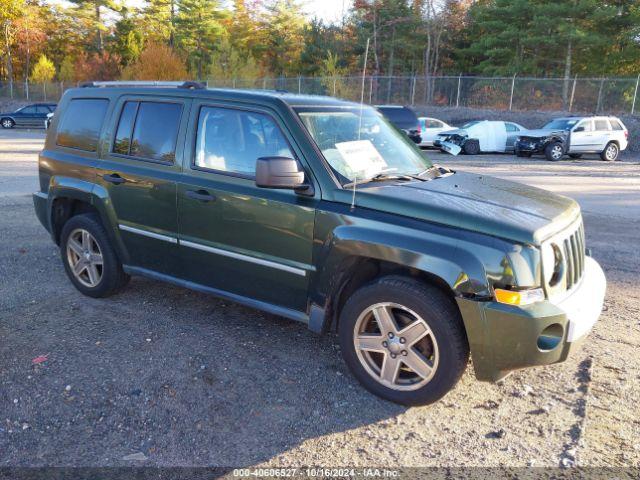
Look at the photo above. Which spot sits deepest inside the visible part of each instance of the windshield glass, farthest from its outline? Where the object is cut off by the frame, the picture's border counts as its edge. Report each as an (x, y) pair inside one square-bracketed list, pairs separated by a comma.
[(360, 143), (561, 124)]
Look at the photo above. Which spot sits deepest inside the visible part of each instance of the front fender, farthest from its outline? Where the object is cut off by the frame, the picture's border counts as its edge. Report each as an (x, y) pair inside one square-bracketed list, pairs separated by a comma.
[(465, 261)]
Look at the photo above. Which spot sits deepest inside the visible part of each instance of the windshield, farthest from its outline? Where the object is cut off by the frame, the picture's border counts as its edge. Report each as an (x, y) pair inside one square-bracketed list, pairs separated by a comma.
[(358, 143), (561, 124), (470, 124)]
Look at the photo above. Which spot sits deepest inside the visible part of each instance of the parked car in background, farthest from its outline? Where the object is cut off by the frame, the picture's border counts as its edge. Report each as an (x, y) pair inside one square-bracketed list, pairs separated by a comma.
[(480, 136), (574, 136), (33, 115), (404, 118), (430, 128)]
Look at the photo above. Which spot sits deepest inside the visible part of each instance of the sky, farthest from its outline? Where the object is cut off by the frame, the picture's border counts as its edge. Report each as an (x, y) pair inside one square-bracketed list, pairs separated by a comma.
[(327, 10)]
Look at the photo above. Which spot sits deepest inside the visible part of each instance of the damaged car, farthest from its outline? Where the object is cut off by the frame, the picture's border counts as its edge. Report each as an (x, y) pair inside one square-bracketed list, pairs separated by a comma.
[(575, 136), (480, 136)]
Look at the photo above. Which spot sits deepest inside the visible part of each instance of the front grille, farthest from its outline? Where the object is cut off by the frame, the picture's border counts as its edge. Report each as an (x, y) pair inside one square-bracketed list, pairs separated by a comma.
[(574, 252)]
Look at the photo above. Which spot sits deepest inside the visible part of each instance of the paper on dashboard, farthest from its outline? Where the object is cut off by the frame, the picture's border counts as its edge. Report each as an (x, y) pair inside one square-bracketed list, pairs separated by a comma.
[(361, 157)]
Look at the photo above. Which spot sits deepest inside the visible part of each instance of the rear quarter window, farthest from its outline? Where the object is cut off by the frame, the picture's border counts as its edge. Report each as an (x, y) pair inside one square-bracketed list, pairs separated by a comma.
[(616, 125), (81, 123)]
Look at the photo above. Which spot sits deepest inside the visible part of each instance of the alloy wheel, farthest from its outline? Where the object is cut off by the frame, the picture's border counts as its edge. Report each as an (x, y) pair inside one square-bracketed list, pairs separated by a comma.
[(612, 152), (556, 152), (6, 123), (396, 346), (85, 257)]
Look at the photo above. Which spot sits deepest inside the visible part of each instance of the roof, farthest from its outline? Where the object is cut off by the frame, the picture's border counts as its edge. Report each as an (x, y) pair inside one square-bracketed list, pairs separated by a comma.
[(292, 99)]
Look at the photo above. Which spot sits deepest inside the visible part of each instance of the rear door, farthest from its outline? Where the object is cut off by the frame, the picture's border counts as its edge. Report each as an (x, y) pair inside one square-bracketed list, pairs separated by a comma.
[(140, 173), (602, 133), (235, 237), (26, 117), (582, 137)]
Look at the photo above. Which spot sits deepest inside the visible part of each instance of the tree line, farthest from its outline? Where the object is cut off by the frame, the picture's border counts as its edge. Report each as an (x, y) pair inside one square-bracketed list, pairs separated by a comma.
[(200, 39)]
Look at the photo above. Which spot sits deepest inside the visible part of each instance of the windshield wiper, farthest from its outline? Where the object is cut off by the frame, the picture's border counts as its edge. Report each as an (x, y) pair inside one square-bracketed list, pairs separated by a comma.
[(381, 177)]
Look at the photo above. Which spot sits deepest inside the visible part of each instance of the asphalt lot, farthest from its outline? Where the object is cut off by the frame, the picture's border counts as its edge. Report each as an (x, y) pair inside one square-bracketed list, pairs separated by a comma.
[(180, 378)]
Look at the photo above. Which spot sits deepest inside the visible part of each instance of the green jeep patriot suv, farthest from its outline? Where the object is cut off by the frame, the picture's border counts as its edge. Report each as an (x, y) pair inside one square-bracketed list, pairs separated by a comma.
[(318, 210)]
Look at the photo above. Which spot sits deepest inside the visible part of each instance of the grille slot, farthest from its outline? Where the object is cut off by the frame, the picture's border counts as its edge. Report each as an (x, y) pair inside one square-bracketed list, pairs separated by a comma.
[(572, 246), (574, 257)]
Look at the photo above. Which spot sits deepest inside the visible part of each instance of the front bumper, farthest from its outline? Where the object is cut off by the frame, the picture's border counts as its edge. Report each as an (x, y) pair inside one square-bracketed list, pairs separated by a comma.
[(504, 338), (528, 147)]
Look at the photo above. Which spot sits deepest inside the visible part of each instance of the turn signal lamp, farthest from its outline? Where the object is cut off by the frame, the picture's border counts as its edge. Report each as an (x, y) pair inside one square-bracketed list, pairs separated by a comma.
[(519, 297)]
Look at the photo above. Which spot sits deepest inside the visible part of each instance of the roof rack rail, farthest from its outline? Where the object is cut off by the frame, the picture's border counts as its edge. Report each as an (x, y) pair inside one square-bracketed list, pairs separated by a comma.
[(144, 83)]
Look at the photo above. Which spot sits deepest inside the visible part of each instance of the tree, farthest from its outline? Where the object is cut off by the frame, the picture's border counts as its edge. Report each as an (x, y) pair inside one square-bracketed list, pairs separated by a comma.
[(159, 21), (157, 62), (43, 71), (228, 63), (127, 39), (66, 72), (199, 31), (9, 11), (283, 25), (97, 66), (96, 6)]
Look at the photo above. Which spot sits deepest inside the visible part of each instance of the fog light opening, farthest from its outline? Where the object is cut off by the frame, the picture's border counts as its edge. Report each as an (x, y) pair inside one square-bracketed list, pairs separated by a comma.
[(550, 337)]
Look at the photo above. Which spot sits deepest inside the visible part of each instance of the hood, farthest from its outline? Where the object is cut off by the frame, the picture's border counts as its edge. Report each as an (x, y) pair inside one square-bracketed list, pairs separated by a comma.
[(479, 203), (457, 131), (541, 133)]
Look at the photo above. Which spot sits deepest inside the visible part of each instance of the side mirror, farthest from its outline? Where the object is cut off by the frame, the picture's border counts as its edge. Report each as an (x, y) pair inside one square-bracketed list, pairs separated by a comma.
[(280, 172), (579, 129)]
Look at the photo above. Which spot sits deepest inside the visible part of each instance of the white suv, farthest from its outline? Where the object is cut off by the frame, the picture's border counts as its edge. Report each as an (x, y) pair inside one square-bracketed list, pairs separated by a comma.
[(575, 136)]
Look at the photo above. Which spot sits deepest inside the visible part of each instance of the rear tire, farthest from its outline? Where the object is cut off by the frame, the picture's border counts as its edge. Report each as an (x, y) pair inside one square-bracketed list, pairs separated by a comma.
[(425, 330), (575, 156), (554, 151), (471, 147), (7, 123), (611, 152), (90, 261)]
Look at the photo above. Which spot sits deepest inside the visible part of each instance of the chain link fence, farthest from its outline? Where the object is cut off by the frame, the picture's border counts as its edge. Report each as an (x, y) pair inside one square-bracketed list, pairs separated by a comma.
[(584, 95)]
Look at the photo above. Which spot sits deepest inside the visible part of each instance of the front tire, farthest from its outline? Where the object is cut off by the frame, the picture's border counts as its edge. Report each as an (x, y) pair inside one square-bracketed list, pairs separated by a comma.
[(471, 147), (90, 261), (403, 340), (554, 151), (7, 123), (610, 153)]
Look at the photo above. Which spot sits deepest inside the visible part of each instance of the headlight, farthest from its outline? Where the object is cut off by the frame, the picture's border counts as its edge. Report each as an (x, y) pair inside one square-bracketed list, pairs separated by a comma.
[(551, 263), (519, 297)]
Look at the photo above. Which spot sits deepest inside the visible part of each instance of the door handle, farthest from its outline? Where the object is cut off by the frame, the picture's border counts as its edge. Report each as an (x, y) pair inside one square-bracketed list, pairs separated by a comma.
[(200, 195), (113, 178)]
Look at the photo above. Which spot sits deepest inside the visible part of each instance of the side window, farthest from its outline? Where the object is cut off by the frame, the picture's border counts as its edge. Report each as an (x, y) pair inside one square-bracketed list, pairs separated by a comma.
[(122, 142), (42, 109), (232, 140), (148, 130), (585, 125), (28, 110), (81, 123), (511, 127), (433, 124), (602, 125)]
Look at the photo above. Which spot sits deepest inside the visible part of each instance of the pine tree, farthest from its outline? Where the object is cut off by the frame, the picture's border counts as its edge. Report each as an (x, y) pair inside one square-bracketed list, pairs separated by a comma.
[(283, 26), (199, 31)]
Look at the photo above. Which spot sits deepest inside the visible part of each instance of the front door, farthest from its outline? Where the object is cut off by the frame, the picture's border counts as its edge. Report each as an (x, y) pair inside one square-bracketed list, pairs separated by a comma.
[(235, 237), (140, 173)]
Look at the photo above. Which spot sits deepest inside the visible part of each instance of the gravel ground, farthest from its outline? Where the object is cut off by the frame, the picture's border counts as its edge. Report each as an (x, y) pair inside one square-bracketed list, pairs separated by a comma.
[(177, 378)]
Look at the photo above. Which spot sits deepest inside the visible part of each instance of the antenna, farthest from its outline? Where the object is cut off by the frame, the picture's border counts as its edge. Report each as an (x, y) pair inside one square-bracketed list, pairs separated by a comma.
[(364, 73)]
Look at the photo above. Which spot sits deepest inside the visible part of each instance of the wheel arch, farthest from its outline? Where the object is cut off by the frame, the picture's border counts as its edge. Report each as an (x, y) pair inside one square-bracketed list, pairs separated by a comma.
[(348, 264)]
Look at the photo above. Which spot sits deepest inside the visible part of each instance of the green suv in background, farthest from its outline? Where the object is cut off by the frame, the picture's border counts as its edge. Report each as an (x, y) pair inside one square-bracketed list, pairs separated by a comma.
[(320, 211)]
